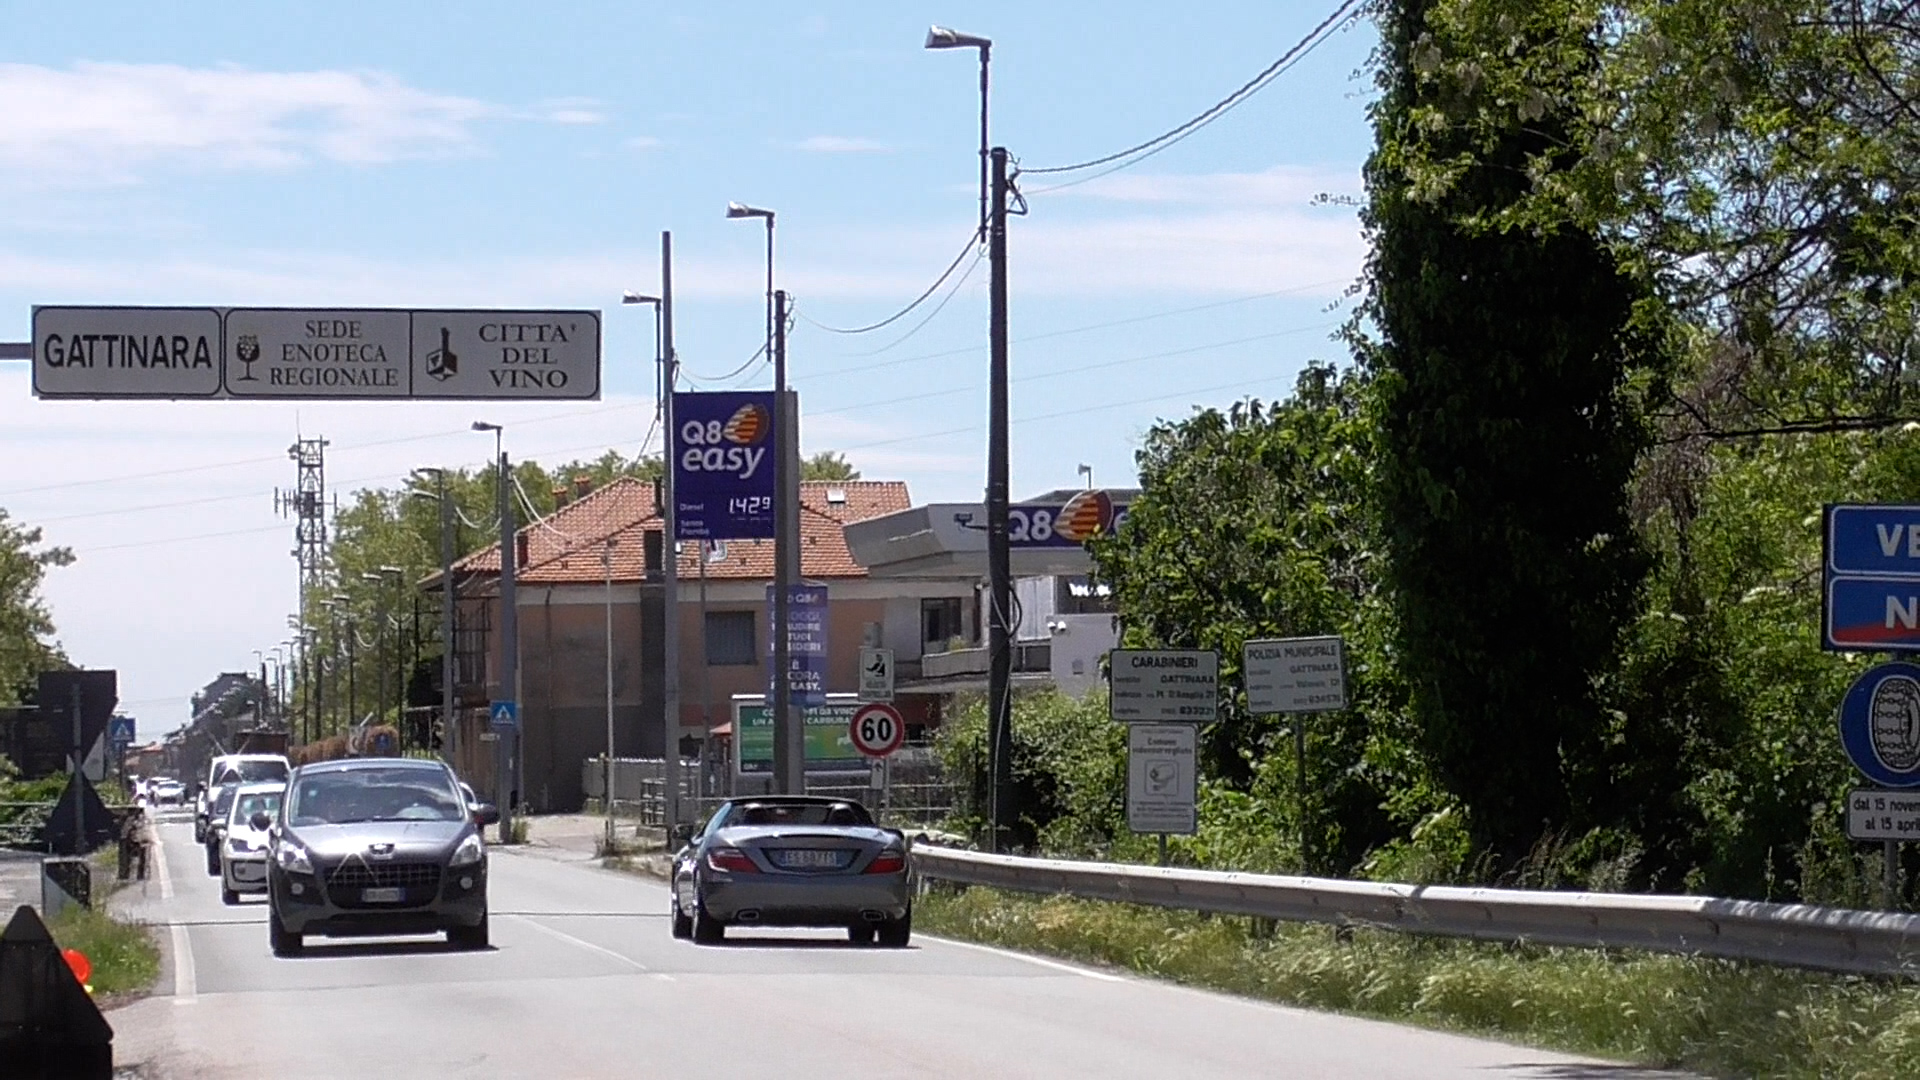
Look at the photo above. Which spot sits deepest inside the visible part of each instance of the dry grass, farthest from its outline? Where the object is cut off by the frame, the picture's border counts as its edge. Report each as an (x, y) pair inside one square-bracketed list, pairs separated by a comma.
[(1716, 1017)]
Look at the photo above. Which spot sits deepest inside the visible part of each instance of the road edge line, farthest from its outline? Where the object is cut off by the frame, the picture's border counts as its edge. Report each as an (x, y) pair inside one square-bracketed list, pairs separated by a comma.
[(1071, 969), (570, 939)]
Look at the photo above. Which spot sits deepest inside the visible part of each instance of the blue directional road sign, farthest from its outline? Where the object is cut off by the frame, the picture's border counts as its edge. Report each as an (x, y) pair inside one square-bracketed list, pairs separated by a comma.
[(1880, 724), (504, 715), (1871, 588), (120, 730)]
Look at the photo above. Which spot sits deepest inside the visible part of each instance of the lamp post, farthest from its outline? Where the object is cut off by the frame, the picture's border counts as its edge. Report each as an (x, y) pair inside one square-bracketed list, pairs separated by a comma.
[(665, 372), (507, 757), (789, 746), (450, 750), (993, 206), (939, 37)]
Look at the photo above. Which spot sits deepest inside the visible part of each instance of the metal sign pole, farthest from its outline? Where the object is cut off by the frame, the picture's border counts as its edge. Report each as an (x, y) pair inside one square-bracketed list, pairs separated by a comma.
[(79, 767), (1300, 786)]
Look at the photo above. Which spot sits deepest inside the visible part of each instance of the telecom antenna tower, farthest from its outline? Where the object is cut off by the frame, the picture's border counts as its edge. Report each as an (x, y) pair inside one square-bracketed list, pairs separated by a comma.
[(307, 504)]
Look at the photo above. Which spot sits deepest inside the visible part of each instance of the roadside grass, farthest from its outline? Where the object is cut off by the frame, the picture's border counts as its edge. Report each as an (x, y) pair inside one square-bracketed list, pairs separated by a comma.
[(1716, 1017), (124, 957)]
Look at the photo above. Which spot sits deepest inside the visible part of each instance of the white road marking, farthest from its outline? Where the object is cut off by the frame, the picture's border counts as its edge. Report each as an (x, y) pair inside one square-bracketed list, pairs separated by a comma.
[(570, 939), (185, 992), (1042, 961)]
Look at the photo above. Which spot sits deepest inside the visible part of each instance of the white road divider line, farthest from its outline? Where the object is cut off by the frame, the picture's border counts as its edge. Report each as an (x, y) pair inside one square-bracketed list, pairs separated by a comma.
[(588, 945), (185, 990), (1071, 969)]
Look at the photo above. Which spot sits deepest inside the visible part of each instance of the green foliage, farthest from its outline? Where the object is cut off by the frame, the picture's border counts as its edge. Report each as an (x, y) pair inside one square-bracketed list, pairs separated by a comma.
[(25, 623), (1713, 1017), (1068, 769), (124, 956), (1506, 424), (827, 465)]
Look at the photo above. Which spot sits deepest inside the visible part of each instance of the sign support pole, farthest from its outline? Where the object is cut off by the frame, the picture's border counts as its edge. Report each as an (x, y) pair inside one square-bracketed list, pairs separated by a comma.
[(1893, 875), (505, 792), (79, 768), (789, 740), (1163, 849), (1300, 785)]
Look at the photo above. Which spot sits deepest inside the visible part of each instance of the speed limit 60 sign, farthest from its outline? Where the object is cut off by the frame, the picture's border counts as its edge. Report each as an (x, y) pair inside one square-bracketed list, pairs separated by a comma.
[(877, 729)]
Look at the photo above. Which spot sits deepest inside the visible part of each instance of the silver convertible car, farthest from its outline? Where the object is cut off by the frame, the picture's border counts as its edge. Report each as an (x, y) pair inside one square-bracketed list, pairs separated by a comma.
[(789, 860)]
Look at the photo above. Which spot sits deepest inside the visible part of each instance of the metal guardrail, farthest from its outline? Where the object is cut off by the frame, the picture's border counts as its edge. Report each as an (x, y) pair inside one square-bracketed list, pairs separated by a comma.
[(1821, 938)]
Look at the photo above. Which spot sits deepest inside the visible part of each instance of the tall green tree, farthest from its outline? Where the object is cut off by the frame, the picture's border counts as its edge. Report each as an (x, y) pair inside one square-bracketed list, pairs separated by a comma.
[(26, 624), (1505, 359), (828, 465)]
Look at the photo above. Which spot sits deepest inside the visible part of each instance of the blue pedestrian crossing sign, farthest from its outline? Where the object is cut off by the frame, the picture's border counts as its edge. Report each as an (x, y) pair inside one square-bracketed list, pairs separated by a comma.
[(504, 715), (120, 730)]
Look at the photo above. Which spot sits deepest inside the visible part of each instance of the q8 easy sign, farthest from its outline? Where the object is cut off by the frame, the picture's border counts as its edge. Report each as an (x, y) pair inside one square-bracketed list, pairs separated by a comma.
[(723, 465)]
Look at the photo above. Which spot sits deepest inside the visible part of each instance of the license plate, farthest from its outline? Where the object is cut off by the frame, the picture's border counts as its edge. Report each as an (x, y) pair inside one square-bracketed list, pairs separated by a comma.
[(808, 859), (382, 896)]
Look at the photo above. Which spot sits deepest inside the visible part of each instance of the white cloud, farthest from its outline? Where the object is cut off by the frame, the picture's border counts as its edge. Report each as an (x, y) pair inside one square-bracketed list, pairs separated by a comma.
[(104, 123), (840, 144), (643, 142)]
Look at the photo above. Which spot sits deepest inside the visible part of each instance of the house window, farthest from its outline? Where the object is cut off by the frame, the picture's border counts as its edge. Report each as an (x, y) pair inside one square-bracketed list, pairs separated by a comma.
[(730, 638), (940, 623)]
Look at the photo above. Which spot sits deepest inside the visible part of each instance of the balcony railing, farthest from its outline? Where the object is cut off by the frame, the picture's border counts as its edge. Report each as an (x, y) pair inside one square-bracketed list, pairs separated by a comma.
[(1028, 656)]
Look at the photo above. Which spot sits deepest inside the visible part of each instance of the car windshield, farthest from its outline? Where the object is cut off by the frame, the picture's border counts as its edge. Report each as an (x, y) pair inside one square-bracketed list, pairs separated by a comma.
[(263, 769), (374, 794), (773, 813), (223, 798), (260, 801)]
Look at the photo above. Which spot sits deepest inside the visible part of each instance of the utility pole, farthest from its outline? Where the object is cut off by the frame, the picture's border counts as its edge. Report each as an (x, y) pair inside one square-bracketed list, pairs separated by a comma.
[(999, 565), (79, 765), (669, 555), (451, 744), (789, 734), (506, 788)]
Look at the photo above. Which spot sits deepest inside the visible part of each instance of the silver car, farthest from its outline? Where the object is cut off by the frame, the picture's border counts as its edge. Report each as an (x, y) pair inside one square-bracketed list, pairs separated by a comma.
[(789, 860), (367, 846)]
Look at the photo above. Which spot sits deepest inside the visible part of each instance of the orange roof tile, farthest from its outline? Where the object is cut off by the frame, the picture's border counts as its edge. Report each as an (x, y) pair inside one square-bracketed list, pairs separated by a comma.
[(567, 547)]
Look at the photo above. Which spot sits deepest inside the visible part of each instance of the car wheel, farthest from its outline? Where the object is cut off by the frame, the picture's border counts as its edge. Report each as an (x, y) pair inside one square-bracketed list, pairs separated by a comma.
[(213, 862), (469, 937), (860, 934), (229, 897), (682, 922), (894, 933), (284, 942), (707, 930)]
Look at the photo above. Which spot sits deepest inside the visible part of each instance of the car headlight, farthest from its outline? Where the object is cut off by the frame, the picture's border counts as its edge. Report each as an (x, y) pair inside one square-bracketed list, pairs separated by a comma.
[(292, 858), (468, 852)]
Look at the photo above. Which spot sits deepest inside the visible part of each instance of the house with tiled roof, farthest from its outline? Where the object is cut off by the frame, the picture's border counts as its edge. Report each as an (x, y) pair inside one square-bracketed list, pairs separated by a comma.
[(598, 559)]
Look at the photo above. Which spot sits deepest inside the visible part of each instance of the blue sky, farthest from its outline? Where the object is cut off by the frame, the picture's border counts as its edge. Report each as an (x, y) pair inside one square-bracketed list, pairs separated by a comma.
[(475, 154)]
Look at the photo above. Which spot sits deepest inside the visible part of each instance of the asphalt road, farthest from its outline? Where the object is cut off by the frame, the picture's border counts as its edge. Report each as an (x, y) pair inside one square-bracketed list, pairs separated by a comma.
[(585, 981)]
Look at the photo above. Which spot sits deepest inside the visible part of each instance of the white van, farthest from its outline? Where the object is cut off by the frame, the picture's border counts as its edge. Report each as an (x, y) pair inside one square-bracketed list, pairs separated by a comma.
[(250, 768)]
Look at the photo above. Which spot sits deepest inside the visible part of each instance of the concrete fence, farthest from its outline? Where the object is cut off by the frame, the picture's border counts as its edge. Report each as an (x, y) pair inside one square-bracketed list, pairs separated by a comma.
[(1826, 939)]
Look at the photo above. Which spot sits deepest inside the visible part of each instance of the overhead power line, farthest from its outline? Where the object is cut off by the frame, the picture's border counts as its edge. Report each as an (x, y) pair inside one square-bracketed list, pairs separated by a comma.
[(1141, 151), (973, 241)]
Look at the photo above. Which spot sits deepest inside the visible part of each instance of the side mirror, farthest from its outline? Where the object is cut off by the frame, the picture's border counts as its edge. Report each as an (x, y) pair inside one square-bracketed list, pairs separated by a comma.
[(486, 814), (260, 821)]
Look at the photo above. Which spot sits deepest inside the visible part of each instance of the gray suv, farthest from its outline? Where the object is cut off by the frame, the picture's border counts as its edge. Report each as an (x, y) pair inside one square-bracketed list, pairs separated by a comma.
[(370, 846)]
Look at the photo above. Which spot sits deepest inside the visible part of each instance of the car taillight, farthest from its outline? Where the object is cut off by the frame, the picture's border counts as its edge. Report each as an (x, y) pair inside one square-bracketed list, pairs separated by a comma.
[(887, 862), (731, 860)]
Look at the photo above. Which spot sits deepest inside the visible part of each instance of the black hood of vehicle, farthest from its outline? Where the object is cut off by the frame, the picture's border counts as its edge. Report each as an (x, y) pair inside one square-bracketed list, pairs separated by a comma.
[(414, 839)]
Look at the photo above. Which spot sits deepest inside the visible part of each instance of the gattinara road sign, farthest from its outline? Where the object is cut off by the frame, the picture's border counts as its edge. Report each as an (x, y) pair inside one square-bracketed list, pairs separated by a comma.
[(1295, 675), (315, 353), (1164, 686)]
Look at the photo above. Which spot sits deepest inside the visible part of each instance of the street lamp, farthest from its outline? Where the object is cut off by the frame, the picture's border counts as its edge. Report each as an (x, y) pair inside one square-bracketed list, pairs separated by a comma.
[(666, 370), (741, 210), (939, 37), (994, 187), (1087, 471), (789, 745), (506, 754)]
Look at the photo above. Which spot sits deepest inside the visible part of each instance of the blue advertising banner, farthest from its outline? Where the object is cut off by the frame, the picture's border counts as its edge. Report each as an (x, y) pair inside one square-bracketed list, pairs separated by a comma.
[(722, 452), (1070, 524), (806, 645)]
